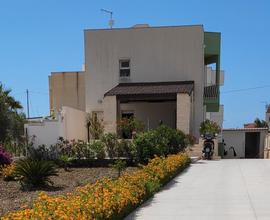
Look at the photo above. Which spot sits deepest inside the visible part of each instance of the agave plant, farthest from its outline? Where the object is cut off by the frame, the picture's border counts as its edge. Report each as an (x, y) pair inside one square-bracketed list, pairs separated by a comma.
[(34, 173)]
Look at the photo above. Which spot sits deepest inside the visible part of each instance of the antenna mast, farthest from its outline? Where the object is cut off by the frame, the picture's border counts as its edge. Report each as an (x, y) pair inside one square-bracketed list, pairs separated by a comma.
[(111, 21)]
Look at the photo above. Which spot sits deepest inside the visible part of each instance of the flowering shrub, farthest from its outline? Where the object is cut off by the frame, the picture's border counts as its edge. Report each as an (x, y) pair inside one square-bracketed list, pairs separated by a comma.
[(126, 126), (107, 198), (7, 172), (5, 157)]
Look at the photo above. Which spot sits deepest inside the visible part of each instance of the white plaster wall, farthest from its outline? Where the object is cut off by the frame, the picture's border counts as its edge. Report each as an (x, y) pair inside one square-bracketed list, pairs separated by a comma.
[(45, 133), (263, 135), (235, 139), (152, 113), (156, 55), (267, 146), (70, 124)]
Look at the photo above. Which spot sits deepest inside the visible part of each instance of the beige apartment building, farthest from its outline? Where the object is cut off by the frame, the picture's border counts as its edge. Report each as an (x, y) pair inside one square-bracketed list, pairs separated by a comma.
[(157, 74), (168, 75)]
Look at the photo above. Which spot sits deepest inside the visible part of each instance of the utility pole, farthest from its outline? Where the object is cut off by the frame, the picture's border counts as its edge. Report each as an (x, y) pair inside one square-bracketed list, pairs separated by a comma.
[(111, 21), (27, 98)]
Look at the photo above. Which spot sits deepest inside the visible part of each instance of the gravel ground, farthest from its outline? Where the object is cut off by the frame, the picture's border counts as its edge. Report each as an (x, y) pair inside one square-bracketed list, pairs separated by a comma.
[(12, 197)]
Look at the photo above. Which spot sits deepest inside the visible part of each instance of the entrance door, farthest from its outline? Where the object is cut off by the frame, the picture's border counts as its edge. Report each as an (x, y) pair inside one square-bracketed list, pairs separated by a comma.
[(252, 145)]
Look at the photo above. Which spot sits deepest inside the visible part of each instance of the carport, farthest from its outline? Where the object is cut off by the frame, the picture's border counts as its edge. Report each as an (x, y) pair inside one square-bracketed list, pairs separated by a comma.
[(244, 142)]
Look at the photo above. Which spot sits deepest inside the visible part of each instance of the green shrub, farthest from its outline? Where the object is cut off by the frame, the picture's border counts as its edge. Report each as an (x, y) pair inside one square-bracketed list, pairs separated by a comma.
[(34, 173), (174, 139), (98, 148), (161, 142), (42, 152), (127, 149), (145, 144), (119, 166), (210, 127), (81, 149), (65, 161), (111, 143)]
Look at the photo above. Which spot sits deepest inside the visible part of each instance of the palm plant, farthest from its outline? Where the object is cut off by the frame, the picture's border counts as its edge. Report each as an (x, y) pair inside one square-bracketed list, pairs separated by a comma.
[(34, 173), (8, 99), (10, 120)]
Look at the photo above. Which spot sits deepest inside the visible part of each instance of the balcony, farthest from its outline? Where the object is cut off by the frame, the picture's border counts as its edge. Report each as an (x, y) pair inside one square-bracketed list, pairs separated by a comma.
[(211, 98), (212, 56)]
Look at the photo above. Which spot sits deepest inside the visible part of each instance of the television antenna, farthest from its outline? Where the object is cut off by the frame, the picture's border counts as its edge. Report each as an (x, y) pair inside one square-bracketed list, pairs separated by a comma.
[(111, 21)]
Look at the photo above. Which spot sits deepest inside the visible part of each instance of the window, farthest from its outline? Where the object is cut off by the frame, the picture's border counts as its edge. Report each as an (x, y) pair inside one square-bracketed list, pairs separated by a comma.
[(124, 68), (127, 114)]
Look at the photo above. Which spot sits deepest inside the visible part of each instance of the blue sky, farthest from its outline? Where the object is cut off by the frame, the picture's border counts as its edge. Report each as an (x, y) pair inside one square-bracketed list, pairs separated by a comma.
[(38, 37)]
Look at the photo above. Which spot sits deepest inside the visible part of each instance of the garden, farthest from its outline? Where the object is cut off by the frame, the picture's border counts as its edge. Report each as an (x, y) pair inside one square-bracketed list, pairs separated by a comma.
[(104, 178), (109, 173)]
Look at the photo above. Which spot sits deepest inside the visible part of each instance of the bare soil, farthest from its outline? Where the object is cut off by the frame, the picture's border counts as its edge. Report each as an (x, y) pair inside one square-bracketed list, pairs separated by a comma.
[(12, 197)]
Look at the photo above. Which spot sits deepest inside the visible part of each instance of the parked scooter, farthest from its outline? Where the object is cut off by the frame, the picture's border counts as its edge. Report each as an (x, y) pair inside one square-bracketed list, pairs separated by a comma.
[(208, 146)]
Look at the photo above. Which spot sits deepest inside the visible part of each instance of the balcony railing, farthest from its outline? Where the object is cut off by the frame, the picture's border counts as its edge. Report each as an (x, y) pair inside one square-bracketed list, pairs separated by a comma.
[(211, 98)]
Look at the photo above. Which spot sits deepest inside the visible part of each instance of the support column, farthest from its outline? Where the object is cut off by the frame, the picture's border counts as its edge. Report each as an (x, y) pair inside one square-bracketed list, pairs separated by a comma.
[(110, 114), (183, 112)]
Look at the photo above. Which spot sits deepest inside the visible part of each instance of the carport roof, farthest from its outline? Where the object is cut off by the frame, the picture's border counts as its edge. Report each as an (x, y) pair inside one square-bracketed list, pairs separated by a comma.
[(151, 88)]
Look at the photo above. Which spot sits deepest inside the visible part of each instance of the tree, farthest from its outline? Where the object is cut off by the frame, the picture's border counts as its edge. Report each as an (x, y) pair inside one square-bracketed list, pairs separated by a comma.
[(10, 120), (260, 123)]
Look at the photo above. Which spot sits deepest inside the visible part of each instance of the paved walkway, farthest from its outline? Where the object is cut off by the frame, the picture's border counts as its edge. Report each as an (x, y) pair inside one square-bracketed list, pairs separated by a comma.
[(213, 190)]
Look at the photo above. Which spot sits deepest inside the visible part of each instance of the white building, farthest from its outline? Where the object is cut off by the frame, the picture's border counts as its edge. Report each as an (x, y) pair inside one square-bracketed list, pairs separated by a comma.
[(246, 142)]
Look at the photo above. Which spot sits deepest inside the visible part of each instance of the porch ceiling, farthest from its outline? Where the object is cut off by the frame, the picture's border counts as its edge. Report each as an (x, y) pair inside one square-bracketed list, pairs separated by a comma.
[(151, 89)]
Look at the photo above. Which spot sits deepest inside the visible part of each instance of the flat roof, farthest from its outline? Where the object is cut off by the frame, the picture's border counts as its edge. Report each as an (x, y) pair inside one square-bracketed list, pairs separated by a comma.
[(68, 72), (143, 27)]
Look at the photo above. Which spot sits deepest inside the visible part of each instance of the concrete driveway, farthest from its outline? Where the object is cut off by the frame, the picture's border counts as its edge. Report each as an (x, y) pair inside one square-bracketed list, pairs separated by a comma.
[(213, 190)]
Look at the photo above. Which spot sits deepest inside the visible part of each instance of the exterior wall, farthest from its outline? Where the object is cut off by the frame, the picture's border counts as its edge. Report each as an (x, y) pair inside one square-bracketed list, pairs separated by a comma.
[(67, 89), (236, 138), (156, 55), (74, 124), (216, 116), (183, 112), (69, 124), (267, 147), (110, 114), (152, 113), (46, 132)]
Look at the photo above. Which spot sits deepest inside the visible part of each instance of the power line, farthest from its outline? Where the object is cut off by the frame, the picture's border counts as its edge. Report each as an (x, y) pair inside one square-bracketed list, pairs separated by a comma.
[(246, 89)]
